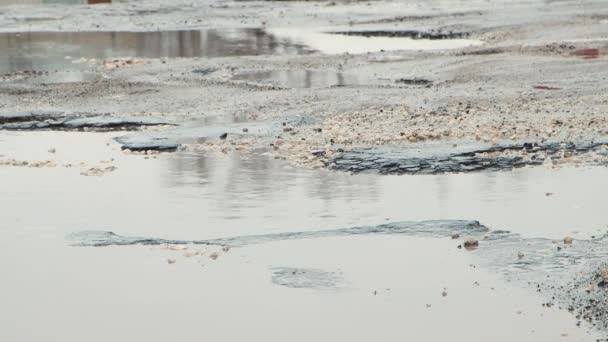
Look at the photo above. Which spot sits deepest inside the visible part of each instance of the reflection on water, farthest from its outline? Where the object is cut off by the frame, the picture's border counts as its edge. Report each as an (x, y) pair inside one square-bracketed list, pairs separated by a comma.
[(193, 196), (57, 50), (262, 188), (300, 78), (240, 183)]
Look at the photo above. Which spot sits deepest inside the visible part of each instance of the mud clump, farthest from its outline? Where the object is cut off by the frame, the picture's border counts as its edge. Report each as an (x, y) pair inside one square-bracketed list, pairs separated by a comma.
[(470, 243), (413, 34), (414, 81), (481, 52)]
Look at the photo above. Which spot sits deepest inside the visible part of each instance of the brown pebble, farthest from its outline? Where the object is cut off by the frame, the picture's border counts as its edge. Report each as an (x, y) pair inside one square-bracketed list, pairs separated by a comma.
[(470, 243)]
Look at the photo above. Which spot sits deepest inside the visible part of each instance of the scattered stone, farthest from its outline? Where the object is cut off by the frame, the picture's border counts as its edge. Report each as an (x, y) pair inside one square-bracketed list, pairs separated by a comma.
[(46, 163), (24, 163), (224, 136), (97, 171), (318, 153), (568, 240), (470, 243), (520, 254), (172, 247), (171, 261)]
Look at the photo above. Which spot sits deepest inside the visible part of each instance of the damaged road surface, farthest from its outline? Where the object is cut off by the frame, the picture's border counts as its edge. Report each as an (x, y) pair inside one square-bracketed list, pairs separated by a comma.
[(499, 158), (339, 170)]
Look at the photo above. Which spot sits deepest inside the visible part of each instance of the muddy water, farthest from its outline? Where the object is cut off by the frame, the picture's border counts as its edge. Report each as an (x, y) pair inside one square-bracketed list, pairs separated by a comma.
[(49, 51), (81, 51), (239, 194), (379, 282)]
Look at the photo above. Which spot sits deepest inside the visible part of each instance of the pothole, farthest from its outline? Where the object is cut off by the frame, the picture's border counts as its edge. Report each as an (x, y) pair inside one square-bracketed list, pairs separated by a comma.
[(53, 52)]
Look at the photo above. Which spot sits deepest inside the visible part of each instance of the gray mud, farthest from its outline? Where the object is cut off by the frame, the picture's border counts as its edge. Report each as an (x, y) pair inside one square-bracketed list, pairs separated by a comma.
[(492, 159), (30, 121), (430, 228)]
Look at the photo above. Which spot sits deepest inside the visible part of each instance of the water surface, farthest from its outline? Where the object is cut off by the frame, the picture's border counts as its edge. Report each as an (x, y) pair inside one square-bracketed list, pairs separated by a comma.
[(389, 285), (62, 50)]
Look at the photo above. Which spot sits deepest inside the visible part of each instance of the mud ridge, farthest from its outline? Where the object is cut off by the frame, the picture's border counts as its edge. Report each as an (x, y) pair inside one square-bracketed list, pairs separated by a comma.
[(433, 228), (496, 158), (73, 121)]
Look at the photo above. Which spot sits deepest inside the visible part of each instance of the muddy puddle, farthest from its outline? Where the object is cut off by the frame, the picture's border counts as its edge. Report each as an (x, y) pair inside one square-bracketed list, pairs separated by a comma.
[(238, 194), (52, 51), (304, 241), (57, 57)]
